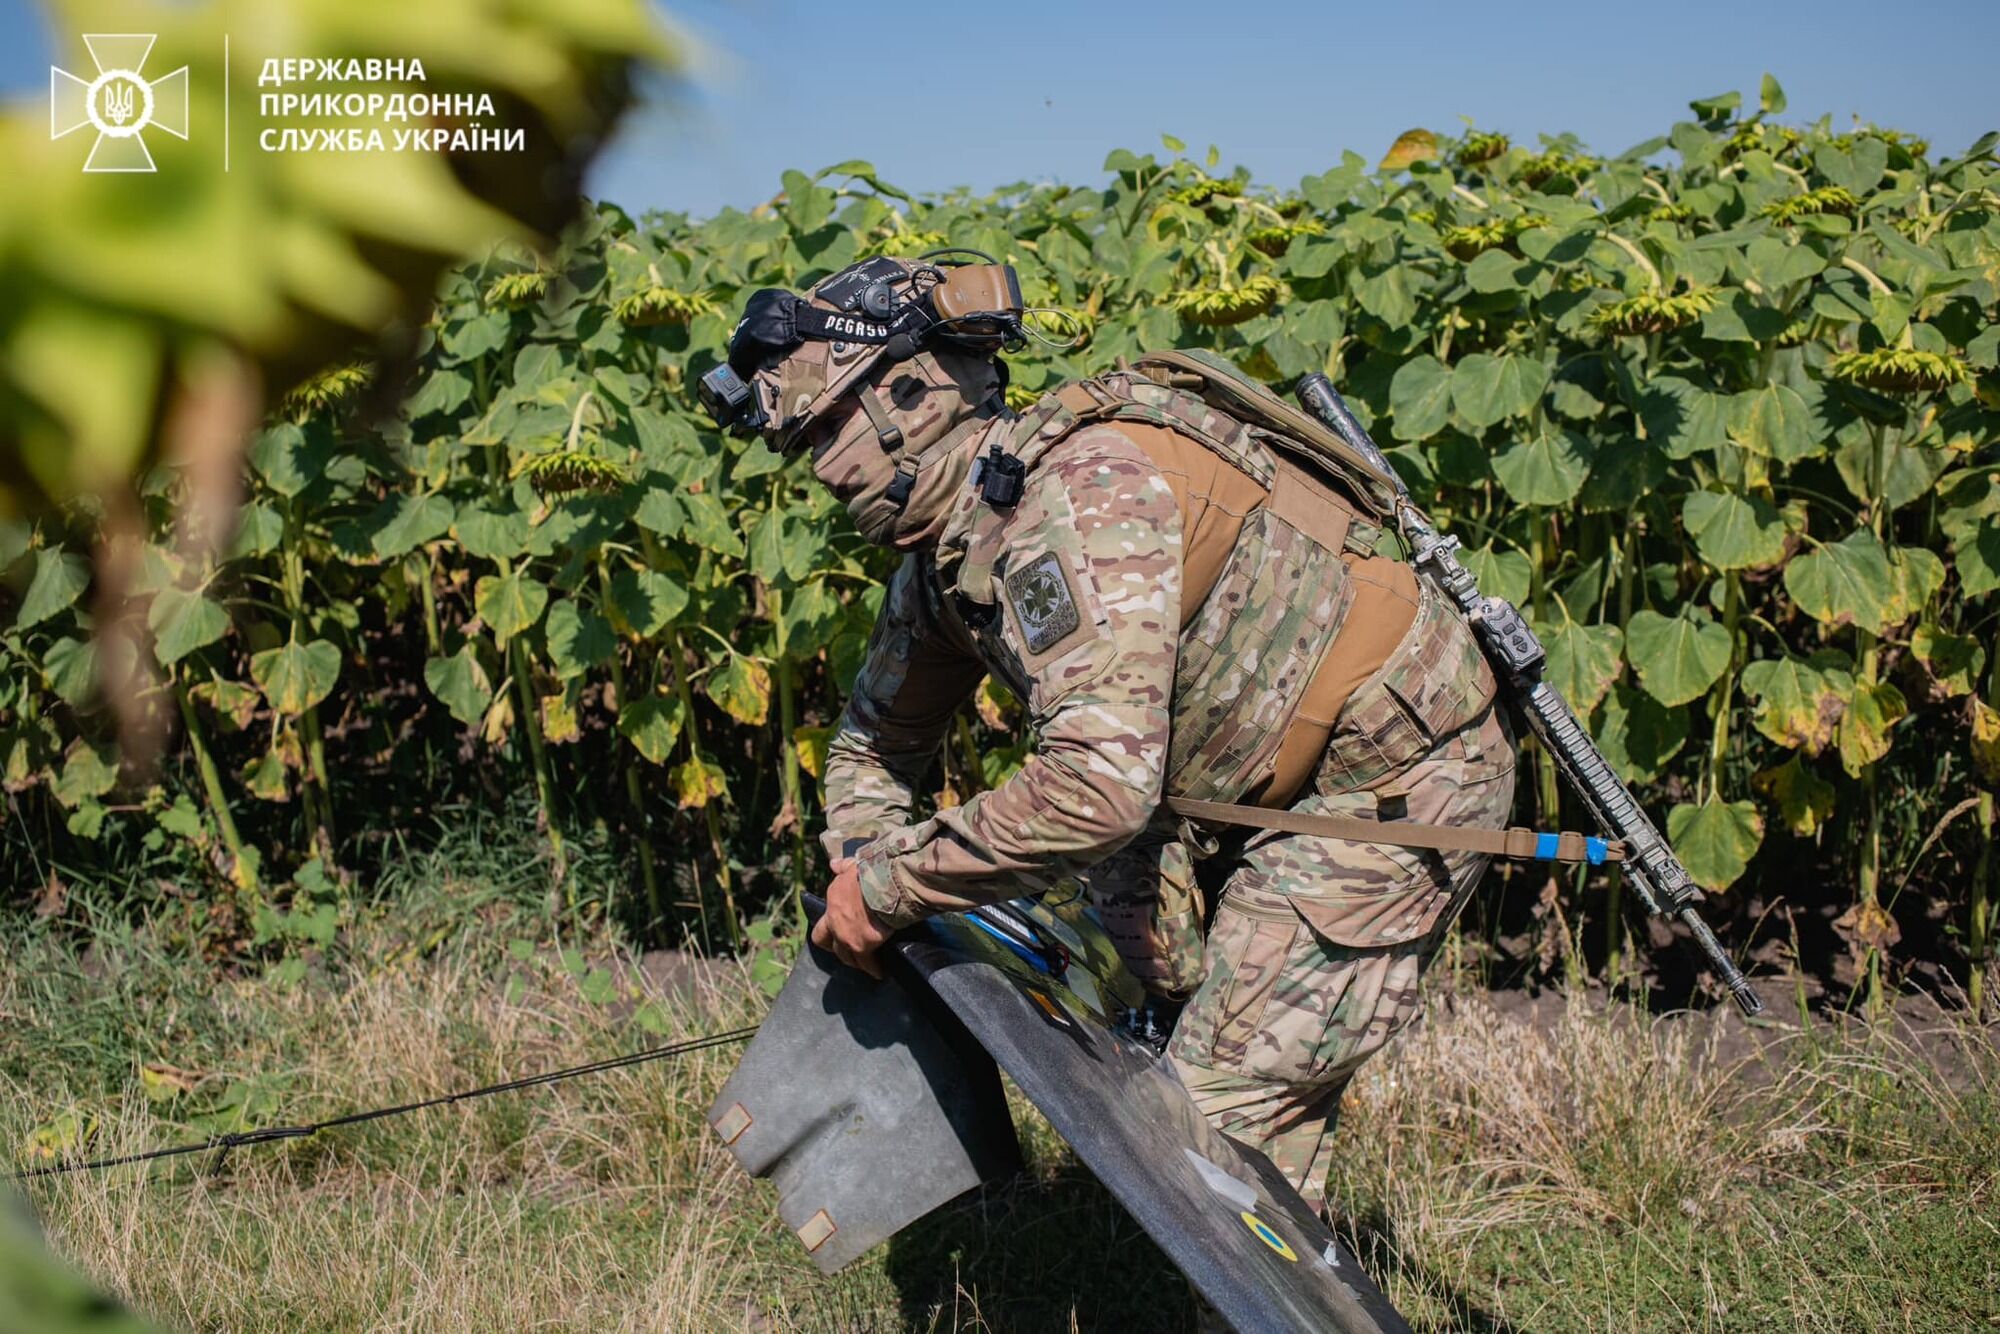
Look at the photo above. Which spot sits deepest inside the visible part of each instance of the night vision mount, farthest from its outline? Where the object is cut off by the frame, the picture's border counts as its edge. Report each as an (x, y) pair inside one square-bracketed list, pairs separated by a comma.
[(729, 402)]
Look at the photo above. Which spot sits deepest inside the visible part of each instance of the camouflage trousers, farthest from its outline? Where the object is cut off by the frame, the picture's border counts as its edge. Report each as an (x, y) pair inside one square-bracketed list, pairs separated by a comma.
[(1316, 948)]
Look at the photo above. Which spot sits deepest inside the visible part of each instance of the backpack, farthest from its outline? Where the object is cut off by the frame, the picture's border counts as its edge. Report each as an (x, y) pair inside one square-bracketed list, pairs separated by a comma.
[(1290, 429), (1196, 394)]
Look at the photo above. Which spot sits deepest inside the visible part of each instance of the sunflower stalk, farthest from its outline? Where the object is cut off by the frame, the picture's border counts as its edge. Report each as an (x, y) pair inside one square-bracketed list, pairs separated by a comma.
[(560, 891), (315, 792), (676, 658), (242, 870), (635, 795), (1869, 880), (1725, 688), (433, 630), (518, 668), (1653, 284), (788, 764)]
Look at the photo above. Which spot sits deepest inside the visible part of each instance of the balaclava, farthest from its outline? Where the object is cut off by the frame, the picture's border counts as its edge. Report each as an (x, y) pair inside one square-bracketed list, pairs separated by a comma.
[(893, 416), (940, 403)]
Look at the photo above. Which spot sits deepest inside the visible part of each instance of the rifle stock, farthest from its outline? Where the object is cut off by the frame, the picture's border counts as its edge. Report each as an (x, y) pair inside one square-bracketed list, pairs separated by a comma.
[(1517, 657)]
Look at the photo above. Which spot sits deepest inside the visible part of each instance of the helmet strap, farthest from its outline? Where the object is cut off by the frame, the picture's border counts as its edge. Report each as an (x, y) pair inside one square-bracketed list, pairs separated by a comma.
[(887, 432), (890, 436)]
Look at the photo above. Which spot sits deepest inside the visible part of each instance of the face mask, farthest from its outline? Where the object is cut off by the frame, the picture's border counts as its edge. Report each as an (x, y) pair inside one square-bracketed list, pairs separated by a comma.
[(941, 476), (848, 459)]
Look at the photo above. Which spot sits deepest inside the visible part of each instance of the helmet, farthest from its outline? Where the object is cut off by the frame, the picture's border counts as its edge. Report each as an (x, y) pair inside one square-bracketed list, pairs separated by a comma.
[(874, 369), (792, 358)]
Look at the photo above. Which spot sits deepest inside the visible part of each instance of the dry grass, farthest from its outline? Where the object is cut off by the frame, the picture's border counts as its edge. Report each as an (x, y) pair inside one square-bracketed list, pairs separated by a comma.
[(480, 1216), (601, 1204), (1583, 1171), (1604, 1170)]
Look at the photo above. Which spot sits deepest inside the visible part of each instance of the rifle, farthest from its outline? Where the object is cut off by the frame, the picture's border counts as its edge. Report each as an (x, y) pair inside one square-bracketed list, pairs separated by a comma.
[(1517, 657)]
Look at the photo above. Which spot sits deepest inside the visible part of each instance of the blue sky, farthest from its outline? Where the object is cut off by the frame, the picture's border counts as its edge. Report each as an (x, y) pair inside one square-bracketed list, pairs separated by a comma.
[(940, 94)]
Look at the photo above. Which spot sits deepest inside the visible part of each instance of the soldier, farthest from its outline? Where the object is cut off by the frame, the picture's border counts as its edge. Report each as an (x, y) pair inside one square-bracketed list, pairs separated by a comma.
[(1184, 614)]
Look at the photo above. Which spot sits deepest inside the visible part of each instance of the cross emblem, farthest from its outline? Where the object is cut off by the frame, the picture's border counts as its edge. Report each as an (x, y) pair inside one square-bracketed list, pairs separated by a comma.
[(119, 102)]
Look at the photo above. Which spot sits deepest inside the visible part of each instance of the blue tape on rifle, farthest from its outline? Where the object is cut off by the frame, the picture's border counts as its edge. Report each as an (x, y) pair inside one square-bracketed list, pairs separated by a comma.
[(1547, 846), (1595, 850)]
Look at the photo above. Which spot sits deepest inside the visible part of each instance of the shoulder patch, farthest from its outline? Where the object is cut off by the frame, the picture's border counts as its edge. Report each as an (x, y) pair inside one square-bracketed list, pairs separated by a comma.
[(1043, 604)]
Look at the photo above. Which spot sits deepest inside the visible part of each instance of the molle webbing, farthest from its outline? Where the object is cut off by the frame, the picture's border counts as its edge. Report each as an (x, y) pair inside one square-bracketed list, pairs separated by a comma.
[(1286, 428), (1525, 844), (1213, 496), (1129, 397), (1383, 608), (1214, 499), (1221, 471)]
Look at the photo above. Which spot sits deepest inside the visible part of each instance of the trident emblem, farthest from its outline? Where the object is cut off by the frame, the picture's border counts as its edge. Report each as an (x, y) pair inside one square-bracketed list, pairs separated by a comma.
[(118, 99)]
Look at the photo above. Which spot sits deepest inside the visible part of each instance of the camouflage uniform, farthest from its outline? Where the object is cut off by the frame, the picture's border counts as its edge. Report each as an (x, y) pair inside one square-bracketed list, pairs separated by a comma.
[(1189, 611), (1085, 639), (1316, 944), (1316, 948)]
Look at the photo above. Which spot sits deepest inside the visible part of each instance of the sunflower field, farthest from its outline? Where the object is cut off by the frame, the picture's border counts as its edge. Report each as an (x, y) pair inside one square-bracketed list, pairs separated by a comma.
[(1722, 412)]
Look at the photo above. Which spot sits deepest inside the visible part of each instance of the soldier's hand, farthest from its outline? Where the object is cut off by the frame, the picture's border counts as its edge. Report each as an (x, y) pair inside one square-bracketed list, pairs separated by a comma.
[(847, 928)]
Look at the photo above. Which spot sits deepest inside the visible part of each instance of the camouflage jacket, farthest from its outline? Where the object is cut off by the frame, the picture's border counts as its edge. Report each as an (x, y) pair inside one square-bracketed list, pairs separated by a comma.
[(1130, 694), (1085, 638)]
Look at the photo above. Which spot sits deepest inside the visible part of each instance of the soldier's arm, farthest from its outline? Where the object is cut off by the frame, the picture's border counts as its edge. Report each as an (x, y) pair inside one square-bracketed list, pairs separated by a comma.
[(912, 680), (1090, 596)]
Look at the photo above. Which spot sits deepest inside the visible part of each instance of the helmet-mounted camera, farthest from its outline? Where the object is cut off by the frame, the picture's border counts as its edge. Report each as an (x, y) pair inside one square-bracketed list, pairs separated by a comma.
[(730, 402)]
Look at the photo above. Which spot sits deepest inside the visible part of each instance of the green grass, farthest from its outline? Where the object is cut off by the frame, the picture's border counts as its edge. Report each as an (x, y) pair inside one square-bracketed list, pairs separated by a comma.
[(1592, 1171)]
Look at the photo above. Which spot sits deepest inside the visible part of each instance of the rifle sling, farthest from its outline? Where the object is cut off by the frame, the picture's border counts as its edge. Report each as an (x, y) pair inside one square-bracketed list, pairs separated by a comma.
[(1515, 842)]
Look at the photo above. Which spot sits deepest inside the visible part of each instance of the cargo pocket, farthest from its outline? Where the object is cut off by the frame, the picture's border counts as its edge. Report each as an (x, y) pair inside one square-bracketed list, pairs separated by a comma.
[(1382, 895), (1404, 911), (1247, 955), (1435, 682), (1348, 982), (1275, 1004), (1377, 736)]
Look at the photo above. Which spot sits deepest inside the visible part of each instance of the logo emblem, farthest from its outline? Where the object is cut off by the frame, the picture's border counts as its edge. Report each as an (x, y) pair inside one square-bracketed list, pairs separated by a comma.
[(1039, 593), (120, 103), (1263, 1232)]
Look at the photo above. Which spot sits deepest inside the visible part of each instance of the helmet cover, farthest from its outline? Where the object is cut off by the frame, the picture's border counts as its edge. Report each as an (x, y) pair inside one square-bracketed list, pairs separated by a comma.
[(801, 354)]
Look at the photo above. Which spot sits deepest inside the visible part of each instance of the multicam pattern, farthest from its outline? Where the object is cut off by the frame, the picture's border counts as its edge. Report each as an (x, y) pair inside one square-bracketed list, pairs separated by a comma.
[(1317, 947), (1146, 897), (1248, 655), (915, 675), (1435, 683), (1097, 697)]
